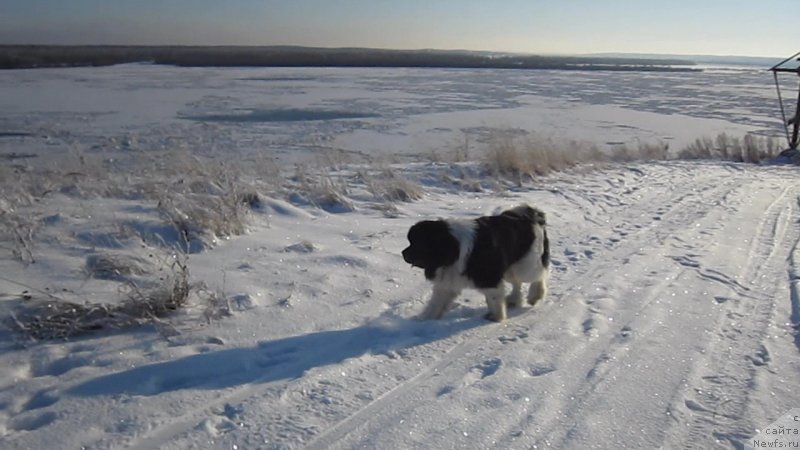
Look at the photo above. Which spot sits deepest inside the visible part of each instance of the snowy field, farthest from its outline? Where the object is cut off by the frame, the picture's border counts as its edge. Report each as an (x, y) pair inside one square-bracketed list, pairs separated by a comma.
[(672, 317)]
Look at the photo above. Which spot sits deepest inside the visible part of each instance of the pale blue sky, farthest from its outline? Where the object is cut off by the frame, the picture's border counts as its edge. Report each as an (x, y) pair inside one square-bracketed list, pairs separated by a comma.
[(717, 27)]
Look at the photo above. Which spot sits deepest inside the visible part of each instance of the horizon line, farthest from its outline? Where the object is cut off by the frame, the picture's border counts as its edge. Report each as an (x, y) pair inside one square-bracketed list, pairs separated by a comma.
[(421, 49)]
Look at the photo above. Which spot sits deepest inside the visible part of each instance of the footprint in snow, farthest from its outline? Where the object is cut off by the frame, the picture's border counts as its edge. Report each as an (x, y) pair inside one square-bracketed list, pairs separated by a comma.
[(625, 333), (217, 426), (686, 261), (42, 399), (518, 335), (488, 367), (476, 373), (32, 422), (695, 406), (63, 365), (570, 253), (761, 358), (540, 370)]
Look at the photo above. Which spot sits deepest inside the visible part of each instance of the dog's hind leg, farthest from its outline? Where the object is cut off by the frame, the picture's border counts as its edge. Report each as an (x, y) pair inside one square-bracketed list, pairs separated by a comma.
[(440, 302), (496, 302), (537, 291), (514, 299)]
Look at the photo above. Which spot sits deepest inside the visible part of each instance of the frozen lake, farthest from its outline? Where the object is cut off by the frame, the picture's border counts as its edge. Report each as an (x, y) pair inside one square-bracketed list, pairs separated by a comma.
[(413, 113)]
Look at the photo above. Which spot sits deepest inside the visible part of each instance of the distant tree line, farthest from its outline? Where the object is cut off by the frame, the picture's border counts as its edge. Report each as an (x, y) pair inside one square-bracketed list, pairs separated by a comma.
[(38, 56)]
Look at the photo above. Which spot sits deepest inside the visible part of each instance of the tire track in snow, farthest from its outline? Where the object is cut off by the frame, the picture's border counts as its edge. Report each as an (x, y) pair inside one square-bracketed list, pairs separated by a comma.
[(627, 355), (794, 288), (714, 411)]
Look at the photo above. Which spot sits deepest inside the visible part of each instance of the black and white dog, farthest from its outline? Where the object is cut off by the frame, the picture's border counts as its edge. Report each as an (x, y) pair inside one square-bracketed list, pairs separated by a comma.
[(480, 254)]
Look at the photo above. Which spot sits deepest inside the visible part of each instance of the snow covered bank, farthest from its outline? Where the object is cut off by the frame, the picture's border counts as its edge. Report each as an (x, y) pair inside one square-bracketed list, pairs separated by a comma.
[(671, 322)]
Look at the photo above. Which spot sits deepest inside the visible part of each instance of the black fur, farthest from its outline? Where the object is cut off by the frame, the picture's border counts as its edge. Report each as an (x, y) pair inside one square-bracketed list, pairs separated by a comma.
[(482, 254), (432, 246), (499, 242)]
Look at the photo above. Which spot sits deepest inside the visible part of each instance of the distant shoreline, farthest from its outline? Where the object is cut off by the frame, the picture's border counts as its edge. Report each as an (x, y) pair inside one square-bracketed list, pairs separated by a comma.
[(53, 56)]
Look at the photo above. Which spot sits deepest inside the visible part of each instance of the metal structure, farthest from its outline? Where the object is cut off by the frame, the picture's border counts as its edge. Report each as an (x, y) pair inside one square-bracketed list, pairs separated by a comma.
[(793, 122)]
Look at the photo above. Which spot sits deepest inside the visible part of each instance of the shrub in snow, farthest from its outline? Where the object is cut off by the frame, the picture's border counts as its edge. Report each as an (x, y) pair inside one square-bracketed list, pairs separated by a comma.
[(54, 318), (115, 266)]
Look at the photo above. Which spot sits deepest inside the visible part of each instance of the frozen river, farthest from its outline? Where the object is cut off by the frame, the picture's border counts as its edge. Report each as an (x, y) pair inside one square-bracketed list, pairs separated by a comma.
[(292, 113)]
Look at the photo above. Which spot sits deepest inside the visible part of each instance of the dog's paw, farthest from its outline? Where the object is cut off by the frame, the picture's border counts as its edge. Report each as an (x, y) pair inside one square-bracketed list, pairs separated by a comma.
[(425, 316), (493, 318), (514, 300)]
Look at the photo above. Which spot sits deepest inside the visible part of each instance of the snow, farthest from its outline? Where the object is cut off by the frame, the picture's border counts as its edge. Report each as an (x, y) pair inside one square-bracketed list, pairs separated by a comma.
[(671, 320)]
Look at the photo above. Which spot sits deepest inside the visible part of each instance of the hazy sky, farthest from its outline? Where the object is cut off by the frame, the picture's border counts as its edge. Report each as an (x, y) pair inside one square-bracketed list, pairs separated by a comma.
[(718, 27)]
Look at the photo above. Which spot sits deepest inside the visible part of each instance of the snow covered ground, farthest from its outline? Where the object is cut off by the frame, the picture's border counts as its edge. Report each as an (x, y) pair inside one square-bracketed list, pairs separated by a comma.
[(671, 322)]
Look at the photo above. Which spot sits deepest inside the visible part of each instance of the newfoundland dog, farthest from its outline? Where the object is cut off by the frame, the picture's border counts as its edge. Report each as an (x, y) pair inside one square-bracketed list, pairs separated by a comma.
[(481, 254)]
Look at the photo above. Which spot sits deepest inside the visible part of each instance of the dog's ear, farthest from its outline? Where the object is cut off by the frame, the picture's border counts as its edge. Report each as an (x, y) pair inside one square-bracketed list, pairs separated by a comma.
[(443, 247), (432, 245)]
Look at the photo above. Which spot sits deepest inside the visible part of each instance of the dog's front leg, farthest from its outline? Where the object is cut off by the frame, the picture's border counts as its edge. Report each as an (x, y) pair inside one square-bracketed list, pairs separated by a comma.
[(496, 302), (440, 302)]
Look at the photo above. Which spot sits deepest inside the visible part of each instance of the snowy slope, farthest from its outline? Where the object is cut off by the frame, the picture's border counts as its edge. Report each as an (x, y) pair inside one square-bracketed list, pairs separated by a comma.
[(671, 322)]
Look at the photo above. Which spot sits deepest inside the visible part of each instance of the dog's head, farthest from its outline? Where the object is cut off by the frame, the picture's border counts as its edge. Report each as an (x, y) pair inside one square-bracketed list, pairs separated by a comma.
[(431, 245)]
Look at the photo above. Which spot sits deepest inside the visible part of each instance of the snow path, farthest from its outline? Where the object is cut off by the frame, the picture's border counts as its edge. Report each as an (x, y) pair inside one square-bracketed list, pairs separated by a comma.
[(671, 322), (615, 378)]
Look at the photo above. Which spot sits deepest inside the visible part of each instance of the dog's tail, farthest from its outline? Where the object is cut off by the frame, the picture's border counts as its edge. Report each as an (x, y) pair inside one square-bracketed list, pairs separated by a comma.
[(539, 217), (535, 215), (546, 250)]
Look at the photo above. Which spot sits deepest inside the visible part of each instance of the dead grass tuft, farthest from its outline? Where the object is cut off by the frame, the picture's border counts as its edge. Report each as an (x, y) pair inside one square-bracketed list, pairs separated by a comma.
[(16, 235), (113, 266), (511, 157), (53, 318), (749, 149), (390, 187), (322, 189), (517, 159)]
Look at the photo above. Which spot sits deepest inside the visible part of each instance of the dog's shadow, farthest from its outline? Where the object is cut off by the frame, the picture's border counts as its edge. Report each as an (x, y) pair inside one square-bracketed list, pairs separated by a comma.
[(282, 359)]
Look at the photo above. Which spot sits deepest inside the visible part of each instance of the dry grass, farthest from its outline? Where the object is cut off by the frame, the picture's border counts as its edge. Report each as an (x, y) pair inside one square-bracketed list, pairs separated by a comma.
[(460, 150), (52, 318), (518, 159), (321, 188), (115, 266), (388, 186), (17, 235), (642, 152), (200, 219), (749, 149), (207, 201), (524, 158), (200, 197), (216, 305)]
